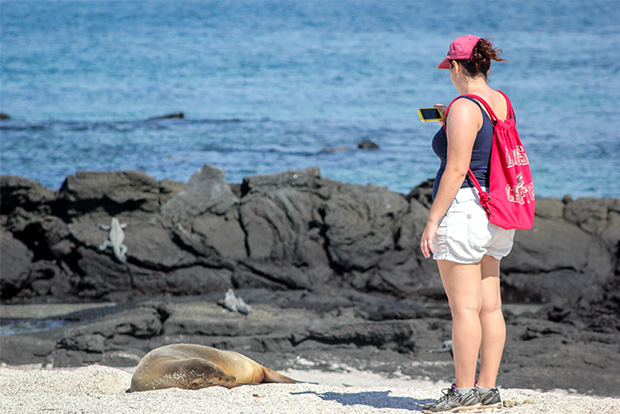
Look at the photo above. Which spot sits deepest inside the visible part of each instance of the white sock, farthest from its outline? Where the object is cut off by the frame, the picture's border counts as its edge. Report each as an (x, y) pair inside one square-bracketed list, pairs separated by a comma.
[(481, 390), (463, 391)]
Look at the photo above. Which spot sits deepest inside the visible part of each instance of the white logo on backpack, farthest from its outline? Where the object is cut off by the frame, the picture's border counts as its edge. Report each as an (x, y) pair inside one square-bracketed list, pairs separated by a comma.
[(516, 156), (520, 193)]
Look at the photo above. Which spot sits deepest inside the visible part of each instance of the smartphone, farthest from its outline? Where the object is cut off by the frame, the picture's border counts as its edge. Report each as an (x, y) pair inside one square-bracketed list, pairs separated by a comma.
[(430, 114)]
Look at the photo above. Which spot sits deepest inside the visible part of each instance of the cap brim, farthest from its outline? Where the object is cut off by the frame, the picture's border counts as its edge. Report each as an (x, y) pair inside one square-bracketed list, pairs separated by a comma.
[(445, 64)]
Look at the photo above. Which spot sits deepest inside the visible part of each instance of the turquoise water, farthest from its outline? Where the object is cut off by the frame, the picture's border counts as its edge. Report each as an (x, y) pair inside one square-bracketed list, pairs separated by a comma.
[(267, 86)]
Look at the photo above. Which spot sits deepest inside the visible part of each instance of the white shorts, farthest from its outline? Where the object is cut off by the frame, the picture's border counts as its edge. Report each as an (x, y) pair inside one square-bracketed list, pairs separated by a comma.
[(465, 234)]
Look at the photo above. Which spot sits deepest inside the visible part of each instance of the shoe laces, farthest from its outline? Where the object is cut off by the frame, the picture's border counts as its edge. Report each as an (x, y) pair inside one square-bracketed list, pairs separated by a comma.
[(449, 394)]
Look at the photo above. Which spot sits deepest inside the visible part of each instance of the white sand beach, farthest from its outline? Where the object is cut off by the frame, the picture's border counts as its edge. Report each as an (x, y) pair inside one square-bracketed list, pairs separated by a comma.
[(99, 389)]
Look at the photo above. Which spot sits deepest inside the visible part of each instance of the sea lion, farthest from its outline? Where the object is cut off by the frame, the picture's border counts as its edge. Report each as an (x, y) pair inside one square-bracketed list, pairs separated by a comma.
[(193, 367)]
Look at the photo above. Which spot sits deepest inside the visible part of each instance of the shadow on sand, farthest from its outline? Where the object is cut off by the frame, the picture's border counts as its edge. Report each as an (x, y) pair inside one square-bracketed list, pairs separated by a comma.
[(376, 399)]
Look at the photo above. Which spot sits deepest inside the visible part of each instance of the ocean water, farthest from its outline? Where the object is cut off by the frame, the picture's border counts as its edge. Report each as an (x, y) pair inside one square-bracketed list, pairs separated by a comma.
[(267, 86)]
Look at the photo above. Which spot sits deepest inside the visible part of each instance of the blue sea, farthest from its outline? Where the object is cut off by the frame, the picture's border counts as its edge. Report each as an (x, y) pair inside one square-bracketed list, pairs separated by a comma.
[(271, 85)]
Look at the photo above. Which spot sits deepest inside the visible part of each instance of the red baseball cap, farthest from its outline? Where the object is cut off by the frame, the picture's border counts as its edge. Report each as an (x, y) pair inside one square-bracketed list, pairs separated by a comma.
[(461, 48)]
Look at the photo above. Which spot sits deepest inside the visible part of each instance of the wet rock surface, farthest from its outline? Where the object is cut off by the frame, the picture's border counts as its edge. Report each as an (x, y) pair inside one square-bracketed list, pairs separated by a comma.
[(332, 272)]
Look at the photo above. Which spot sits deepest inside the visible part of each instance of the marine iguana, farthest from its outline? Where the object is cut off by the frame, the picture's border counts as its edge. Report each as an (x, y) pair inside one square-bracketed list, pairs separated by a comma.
[(234, 303), (115, 239)]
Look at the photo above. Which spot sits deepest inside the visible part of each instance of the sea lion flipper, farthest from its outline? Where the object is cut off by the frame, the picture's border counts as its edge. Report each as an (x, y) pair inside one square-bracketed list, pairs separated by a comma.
[(273, 376), (202, 382)]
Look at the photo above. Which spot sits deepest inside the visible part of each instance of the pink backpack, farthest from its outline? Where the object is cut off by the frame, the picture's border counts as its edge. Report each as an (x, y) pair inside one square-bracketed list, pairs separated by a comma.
[(510, 201)]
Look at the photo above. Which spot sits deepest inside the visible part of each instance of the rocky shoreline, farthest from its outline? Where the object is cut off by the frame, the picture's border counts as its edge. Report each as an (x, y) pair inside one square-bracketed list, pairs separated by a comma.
[(332, 271)]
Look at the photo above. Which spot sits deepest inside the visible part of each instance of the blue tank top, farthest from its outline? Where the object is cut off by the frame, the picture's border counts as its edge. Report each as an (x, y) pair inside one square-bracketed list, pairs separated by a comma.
[(480, 156)]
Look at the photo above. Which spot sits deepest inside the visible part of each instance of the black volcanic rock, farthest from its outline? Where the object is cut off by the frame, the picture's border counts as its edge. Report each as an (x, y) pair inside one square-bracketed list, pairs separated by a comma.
[(15, 265), (110, 192), (24, 193), (367, 145), (206, 191), (179, 115), (361, 225), (291, 230), (558, 259)]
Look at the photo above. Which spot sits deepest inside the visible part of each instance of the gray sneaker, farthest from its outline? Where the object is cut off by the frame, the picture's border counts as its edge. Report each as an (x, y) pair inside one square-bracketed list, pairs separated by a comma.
[(453, 402), (490, 399)]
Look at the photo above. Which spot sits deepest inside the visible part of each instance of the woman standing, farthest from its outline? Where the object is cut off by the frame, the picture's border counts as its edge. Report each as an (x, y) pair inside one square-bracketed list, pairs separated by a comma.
[(458, 234)]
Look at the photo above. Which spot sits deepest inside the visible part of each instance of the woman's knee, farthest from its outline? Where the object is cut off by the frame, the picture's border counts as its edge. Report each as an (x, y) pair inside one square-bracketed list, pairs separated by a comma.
[(491, 305), (464, 307), (491, 300)]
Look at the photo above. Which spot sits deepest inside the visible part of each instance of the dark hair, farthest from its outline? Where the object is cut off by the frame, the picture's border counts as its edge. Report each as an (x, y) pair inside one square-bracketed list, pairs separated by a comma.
[(480, 61)]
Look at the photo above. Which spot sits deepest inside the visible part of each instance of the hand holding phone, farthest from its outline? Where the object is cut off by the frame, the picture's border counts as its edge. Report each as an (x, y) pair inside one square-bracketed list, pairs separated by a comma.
[(435, 113)]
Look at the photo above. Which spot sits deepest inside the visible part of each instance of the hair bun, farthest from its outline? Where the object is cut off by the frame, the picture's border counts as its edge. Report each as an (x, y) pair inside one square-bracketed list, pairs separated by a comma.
[(480, 61)]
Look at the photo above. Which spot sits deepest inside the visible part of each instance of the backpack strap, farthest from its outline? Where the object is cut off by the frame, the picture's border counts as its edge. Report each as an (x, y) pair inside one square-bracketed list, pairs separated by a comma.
[(492, 115), (509, 111), (494, 118), (484, 196)]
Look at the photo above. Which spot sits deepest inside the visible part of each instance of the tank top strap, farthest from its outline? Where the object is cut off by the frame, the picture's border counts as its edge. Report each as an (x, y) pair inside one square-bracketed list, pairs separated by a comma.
[(485, 115)]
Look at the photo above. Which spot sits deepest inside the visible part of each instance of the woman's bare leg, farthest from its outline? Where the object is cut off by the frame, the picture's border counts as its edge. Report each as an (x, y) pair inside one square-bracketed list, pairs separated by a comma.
[(492, 321), (462, 283)]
